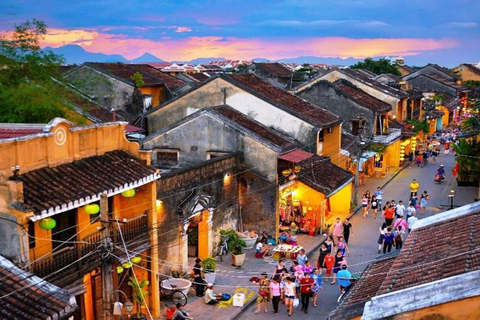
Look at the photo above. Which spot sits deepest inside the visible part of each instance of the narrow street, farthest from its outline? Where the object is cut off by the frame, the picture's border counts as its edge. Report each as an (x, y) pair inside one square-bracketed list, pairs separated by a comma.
[(363, 244)]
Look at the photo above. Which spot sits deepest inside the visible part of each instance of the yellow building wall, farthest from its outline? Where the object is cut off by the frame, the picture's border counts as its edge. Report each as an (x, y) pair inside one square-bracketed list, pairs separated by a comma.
[(157, 93), (203, 236), (465, 309), (466, 74), (391, 157), (331, 145), (340, 203)]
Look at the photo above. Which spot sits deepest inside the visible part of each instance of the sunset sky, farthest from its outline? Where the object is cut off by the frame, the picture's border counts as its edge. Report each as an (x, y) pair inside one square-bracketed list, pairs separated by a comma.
[(446, 32)]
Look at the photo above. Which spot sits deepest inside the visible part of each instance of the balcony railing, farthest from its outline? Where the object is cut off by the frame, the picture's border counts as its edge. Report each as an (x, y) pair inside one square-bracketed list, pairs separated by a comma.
[(388, 138), (68, 258)]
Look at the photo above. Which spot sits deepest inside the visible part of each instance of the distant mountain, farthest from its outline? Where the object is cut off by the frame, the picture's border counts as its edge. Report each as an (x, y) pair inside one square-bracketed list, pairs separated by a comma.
[(75, 54), (200, 60), (146, 57), (329, 61), (260, 60)]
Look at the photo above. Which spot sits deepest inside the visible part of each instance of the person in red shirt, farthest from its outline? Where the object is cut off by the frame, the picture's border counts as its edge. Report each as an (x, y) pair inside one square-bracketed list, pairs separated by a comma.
[(328, 263), (306, 286), (389, 212)]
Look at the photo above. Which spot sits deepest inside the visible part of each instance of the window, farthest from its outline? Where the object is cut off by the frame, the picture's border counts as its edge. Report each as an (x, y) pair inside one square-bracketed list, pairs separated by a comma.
[(31, 235), (167, 158), (321, 135), (214, 154)]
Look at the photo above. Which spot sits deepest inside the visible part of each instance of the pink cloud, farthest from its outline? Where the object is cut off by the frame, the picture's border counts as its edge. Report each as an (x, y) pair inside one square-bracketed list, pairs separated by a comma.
[(235, 48)]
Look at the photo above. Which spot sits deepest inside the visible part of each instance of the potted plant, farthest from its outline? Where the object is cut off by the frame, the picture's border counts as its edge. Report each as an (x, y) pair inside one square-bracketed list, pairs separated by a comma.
[(238, 256), (209, 265), (139, 296)]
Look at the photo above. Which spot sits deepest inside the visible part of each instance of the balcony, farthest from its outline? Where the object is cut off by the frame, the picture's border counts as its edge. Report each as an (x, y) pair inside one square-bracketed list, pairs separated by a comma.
[(62, 267), (388, 138)]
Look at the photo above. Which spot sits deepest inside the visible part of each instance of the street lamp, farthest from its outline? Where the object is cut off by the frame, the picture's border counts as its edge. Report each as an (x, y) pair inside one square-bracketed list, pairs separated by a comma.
[(118, 306), (451, 196)]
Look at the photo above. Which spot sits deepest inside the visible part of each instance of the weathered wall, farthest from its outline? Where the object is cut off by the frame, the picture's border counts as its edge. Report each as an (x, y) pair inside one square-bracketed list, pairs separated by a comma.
[(108, 91), (466, 74), (426, 83)]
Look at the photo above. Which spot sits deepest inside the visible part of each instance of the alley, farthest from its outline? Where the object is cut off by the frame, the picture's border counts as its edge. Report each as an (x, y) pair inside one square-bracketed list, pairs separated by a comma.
[(363, 243)]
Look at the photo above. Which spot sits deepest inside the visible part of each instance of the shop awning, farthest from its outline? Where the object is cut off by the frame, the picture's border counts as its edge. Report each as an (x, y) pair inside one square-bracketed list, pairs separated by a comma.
[(364, 157), (295, 156)]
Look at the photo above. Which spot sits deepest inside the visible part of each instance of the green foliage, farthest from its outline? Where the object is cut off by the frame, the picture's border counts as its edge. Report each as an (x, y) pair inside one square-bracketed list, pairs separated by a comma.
[(137, 78), (470, 84), (467, 153), (378, 148), (418, 125), (209, 264), (139, 293), (378, 67), (235, 244)]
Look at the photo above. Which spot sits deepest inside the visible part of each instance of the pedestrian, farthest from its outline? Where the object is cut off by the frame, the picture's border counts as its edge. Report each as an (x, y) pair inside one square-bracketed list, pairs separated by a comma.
[(336, 267), (374, 206), (399, 233), (413, 200), (330, 244), (411, 221), (364, 206), (307, 268), (275, 292), (342, 246), (321, 256), (414, 186), (197, 278), (434, 154), (347, 229), (263, 293), (388, 213), (337, 230), (302, 257), (446, 147), (306, 286), (400, 222), (279, 267), (419, 160), (425, 158), (290, 294), (181, 314), (400, 209), (383, 230), (318, 285), (388, 241), (379, 195), (410, 210), (410, 159), (328, 263), (423, 201)]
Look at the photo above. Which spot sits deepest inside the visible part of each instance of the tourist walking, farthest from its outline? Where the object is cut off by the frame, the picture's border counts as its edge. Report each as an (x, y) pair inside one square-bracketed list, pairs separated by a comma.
[(321, 256), (302, 257), (400, 209), (374, 206), (330, 244), (275, 292), (290, 294), (414, 186), (263, 293), (399, 235), (388, 213), (423, 201), (328, 263), (383, 230), (337, 230), (364, 206), (279, 267), (318, 285), (197, 278), (347, 229), (388, 241), (411, 221), (306, 286), (342, 246), (339, 258)]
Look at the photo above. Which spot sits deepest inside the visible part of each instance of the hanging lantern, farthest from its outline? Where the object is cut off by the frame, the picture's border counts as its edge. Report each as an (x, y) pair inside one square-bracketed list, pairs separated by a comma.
[(128, 193), (120, 269), (92, 208), (287, 172), (127, 265), (136, 259), (48, 224), (297, 169)]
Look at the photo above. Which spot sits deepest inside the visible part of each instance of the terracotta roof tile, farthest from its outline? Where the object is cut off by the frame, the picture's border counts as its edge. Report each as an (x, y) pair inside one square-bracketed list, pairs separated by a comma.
[(171, 82), (254, 126), (322, 175), (47, 188), (436, 251), (361, 97), (375, 84), (6, 133), (296, 156), (276, 69), (321, 116)]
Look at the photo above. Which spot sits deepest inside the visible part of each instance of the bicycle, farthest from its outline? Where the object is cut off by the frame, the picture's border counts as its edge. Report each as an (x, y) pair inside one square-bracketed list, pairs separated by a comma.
[(222, 248), (176, 295)]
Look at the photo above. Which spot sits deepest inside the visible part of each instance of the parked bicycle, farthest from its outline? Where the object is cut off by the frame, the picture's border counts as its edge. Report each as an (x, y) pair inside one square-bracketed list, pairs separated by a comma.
[(222, 248), (176, 295)]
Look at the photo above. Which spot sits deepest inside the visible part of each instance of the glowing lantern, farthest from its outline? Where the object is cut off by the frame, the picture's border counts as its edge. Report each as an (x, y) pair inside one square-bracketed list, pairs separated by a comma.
[(48, 224), (136, 259), (128, 193), (120, 269), (92, 208), (297, 169), (127, 265), (287, 172)]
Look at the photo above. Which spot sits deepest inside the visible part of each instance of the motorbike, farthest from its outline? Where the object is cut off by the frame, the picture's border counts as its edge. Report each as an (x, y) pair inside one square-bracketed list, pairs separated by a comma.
[(439, 177)]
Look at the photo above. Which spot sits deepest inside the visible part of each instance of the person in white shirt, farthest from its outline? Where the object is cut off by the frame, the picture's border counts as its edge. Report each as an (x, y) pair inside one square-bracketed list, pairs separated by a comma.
[(411, 221), (210, 297), (400, 209), (410, 211)]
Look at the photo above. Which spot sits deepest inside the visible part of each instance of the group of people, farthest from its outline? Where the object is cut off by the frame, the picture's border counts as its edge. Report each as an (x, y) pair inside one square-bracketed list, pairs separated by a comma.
[(286, 285), (372, 202)]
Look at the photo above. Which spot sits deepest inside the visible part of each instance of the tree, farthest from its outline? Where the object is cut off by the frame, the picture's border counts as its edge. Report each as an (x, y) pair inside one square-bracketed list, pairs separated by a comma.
[(378, 67), (28, 92)]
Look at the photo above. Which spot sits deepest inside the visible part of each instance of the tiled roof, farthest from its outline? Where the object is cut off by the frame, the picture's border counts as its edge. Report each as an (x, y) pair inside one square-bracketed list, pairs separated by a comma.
[(444, 70), (365, 72), (26, 297), (379, 86), (276, 69), (361, 97), (406, 69), (322, 175), (255, 127), (447, 82), (321, 116), (296, 156), (15, 130), (472, 68), (212, 67), (171, 82), (198, 77), (364, 289), (49, 190), (436, 251), (125, 72)]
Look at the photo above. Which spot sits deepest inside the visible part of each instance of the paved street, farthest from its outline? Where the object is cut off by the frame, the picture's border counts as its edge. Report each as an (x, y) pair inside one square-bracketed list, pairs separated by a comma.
[(363, 245)]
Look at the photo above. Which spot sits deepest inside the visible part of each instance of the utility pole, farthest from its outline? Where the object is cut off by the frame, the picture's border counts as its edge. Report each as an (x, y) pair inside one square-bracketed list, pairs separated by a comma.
[(106, 247), (360, 146)]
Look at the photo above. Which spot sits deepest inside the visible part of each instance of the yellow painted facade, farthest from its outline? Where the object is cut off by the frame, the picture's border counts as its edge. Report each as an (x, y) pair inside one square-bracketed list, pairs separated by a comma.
[(466, 73), (340, 203), (63, 144), (332, 144), (157, 93)]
